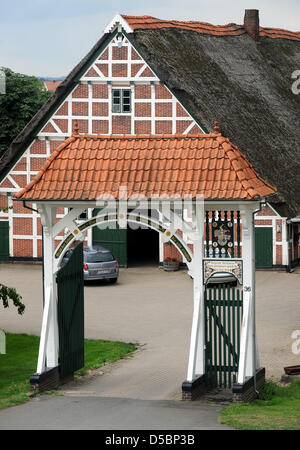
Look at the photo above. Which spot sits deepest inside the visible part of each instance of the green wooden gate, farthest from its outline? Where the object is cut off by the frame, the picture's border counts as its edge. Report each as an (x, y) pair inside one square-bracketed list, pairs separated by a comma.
[(263, 247), (4, 240), (71, 313), (114, 240), (223, 316)]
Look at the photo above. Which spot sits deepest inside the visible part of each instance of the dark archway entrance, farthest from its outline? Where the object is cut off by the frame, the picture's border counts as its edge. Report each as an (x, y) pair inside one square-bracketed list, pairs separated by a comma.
[(142, 247)]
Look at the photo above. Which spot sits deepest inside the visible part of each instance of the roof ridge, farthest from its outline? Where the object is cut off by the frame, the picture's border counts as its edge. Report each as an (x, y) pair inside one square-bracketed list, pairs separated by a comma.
[(279, 29), (148, 136), (154, 22), (48, 162)]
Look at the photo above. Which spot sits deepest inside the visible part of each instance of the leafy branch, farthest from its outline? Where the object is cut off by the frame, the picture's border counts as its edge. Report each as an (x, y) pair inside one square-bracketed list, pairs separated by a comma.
[(7, 293)]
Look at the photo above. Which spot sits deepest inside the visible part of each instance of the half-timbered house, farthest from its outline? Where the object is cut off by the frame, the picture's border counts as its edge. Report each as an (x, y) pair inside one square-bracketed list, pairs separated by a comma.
[(147, 76)]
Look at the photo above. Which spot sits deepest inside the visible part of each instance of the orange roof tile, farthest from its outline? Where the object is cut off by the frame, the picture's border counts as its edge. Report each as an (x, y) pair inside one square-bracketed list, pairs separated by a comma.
[(279, 33), (88, 167), (51, 85), (146, 22), (149, 22)]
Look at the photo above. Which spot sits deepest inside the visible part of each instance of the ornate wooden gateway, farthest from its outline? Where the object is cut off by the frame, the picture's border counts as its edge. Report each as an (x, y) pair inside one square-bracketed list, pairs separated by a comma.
[(204, 194)]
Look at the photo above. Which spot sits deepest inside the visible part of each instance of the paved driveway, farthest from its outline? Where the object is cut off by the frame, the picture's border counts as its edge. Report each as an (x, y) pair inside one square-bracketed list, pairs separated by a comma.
[(154, 308)]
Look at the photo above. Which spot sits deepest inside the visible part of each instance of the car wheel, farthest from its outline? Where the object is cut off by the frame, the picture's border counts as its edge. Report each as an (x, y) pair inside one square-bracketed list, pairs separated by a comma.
[(113, 280)]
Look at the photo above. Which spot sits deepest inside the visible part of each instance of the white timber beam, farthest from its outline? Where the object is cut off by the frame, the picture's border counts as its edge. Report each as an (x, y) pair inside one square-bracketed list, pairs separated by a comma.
[(248, 362), (48, 351), (196, 364)]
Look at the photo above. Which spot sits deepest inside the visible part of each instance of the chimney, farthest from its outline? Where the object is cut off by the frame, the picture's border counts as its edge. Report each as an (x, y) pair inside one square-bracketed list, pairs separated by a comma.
[(251, 23)]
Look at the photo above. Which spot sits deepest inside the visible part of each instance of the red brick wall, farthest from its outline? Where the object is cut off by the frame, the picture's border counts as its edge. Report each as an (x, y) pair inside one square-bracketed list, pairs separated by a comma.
[(121, 125), (278, 254), (99, 91), (63, 110), (142, 110), (170, 251), (23, 248), (100, 126), (81, 91), (119, 53), (22, 226), (62, 124), (266, 211), (38, 147), (142, 91), (3, 201), (80, 108), (100, 109), (263, 222), (142, 127)]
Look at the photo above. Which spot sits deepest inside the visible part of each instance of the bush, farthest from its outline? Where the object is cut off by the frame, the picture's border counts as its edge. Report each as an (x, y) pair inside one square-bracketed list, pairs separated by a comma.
[(268, 390)]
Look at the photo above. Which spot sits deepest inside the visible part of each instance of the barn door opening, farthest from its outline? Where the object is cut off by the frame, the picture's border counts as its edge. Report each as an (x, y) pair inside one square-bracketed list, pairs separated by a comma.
[(142, 247)]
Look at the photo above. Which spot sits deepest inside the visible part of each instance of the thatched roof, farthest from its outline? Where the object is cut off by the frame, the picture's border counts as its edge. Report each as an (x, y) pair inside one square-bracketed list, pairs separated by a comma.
[(246, 85)]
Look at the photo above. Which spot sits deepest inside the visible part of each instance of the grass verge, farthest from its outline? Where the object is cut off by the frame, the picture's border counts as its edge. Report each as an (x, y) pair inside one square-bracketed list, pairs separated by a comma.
[(277, 409), (20, 360)]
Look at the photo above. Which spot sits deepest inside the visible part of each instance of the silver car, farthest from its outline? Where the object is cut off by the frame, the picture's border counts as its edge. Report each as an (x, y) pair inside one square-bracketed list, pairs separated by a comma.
[(98, 264)]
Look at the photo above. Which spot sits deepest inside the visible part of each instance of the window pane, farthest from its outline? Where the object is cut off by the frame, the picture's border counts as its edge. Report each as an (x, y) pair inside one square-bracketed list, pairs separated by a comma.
[(121, 100), (126, 100), (116, 108), (99, 257)]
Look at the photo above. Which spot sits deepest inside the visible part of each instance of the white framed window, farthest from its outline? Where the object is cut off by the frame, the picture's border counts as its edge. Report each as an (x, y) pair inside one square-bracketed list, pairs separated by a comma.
[(121, 101)]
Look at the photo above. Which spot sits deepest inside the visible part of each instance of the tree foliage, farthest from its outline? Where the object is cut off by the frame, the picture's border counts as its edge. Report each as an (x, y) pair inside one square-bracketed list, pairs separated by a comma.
[(7, 293), (24, 96)]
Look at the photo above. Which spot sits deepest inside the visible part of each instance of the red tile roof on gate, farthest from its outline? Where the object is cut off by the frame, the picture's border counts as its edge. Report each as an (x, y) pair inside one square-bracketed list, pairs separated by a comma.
[(87, 167), (232, 29)]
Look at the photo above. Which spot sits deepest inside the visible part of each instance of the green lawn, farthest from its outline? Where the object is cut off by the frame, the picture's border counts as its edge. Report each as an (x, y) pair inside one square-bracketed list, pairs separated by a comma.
[(20, 361), (279, 409)]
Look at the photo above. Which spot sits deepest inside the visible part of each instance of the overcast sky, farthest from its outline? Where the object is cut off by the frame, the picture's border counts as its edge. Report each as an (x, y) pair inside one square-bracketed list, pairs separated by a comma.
[(49, 37)]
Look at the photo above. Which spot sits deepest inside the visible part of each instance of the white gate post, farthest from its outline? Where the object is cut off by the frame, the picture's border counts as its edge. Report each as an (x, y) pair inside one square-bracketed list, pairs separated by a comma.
[(196, 365), (48, 351), (248, 362)]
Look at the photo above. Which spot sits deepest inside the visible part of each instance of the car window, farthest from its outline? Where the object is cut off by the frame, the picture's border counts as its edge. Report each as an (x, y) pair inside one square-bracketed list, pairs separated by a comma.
[(99, 257)]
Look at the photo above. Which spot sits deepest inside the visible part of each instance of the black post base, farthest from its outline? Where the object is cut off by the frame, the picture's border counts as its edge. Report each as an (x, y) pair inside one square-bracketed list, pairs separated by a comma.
[(48, 380), (191, 390), (247, 391)]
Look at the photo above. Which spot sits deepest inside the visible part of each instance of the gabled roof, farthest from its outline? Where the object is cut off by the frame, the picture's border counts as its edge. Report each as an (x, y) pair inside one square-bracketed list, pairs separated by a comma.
[(245, 84), (90, 167)]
